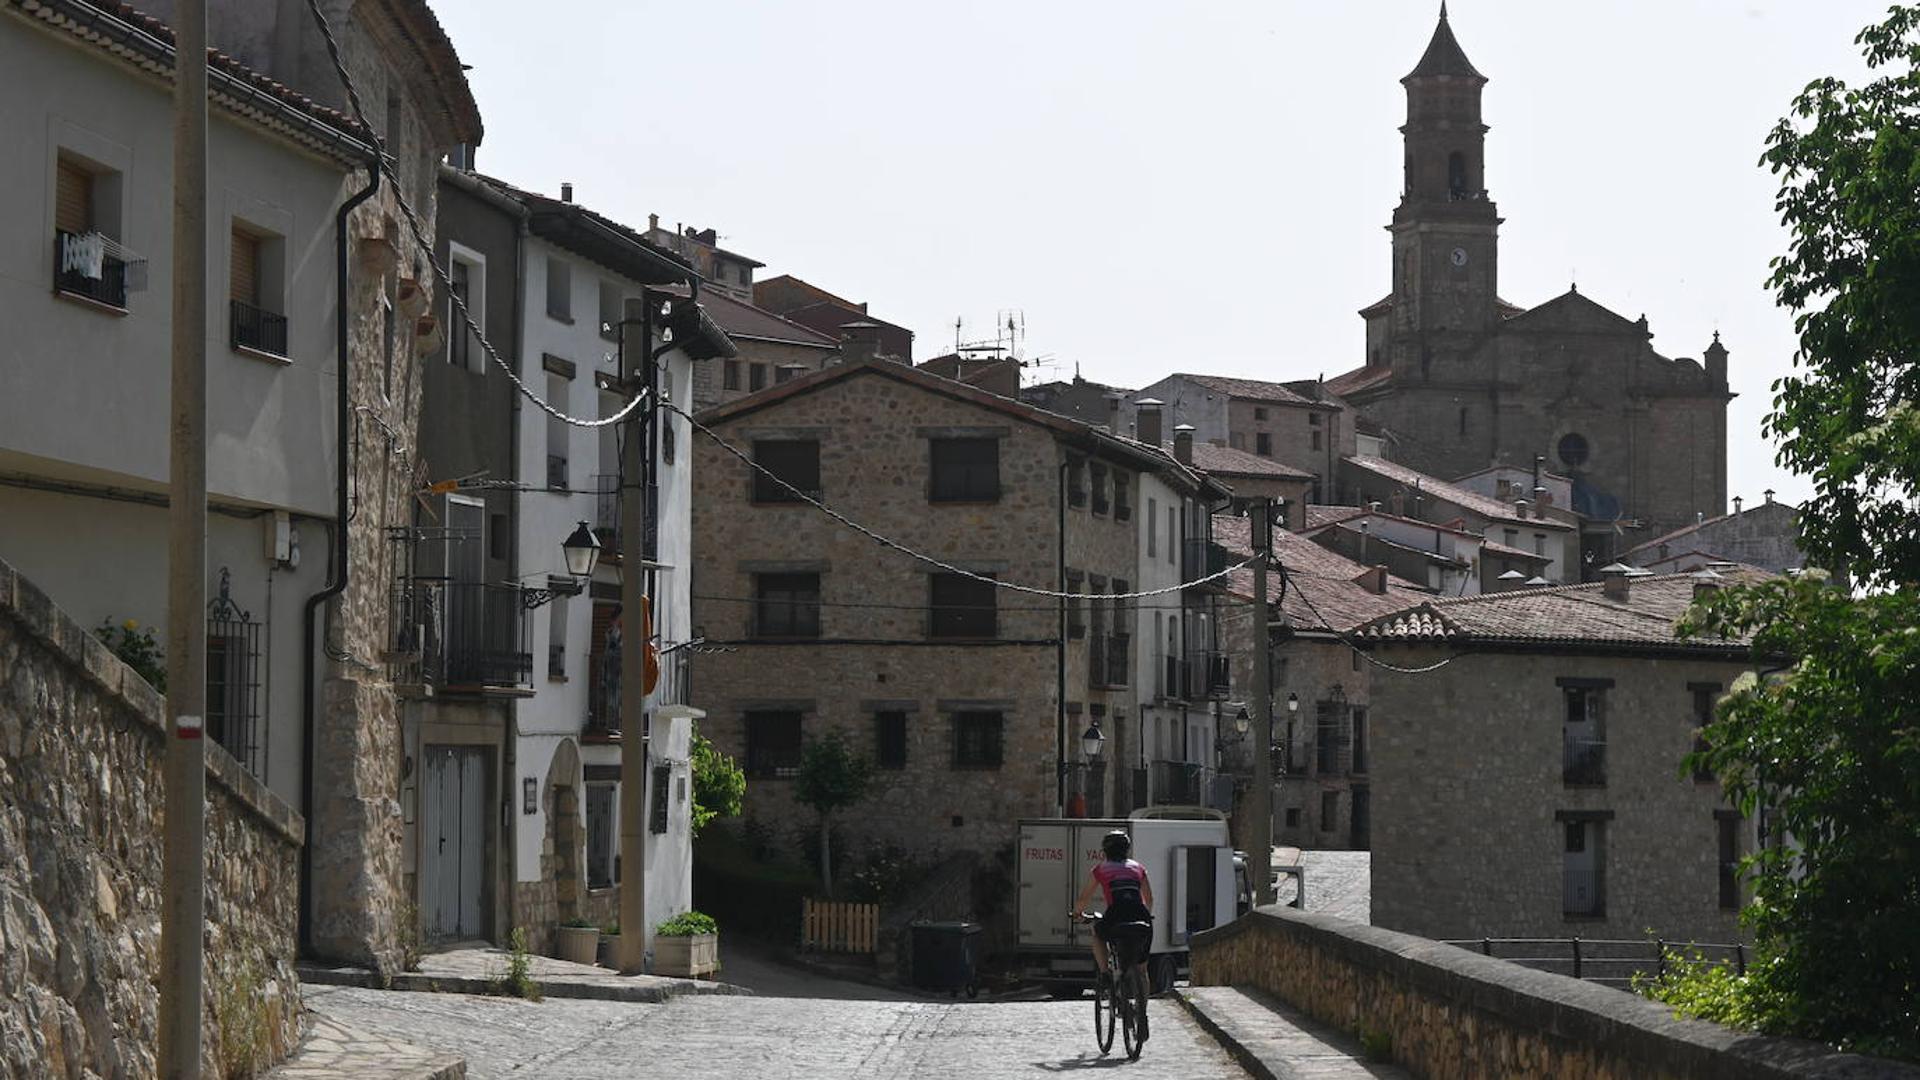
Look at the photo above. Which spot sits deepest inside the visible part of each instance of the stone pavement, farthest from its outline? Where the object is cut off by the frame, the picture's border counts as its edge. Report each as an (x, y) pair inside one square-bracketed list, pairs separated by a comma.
[(1275, 1042), (1339, 883), (768, 1037), (333, 1050), (473, 968)]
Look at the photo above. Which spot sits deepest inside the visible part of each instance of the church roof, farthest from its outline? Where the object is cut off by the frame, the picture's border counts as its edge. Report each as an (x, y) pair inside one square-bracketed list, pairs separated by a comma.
[(1443, 55)]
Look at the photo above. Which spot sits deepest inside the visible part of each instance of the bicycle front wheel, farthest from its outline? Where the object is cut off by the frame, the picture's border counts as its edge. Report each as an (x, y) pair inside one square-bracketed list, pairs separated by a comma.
[(1131, 1004)]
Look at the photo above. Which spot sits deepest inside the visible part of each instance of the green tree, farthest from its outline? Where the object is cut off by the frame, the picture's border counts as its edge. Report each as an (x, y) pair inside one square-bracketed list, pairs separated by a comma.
[(1824, 744), (719, 786), (832, 777)]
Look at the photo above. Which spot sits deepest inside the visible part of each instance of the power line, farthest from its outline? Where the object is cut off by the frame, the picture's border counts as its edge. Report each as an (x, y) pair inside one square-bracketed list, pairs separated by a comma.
[(439, 272), (896, 545)]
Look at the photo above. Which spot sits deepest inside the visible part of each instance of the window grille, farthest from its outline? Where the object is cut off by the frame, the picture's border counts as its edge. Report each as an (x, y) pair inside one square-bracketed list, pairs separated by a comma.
[(233, 679)]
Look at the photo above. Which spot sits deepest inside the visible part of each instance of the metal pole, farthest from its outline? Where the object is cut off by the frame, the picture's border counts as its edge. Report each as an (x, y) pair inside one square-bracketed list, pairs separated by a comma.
[(1261, 857), (183, 886), (636, 348)]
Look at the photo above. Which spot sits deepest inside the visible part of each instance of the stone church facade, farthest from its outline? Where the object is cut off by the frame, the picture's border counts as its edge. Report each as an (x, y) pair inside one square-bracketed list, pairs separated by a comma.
[(1459, 378)]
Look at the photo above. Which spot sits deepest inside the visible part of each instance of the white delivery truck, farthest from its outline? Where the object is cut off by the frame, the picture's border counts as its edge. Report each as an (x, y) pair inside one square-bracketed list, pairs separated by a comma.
[(1189, 861)]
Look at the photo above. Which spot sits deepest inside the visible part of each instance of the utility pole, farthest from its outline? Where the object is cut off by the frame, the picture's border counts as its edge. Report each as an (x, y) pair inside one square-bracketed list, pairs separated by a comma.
[(636, 365), (1260, 859), (183, 895)]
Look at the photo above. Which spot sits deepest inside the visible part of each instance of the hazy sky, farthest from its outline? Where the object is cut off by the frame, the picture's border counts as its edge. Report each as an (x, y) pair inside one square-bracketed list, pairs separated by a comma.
[(1165, 187)]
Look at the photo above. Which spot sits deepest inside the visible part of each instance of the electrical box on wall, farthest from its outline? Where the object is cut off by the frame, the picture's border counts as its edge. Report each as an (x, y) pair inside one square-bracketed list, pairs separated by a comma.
[(279, 536)]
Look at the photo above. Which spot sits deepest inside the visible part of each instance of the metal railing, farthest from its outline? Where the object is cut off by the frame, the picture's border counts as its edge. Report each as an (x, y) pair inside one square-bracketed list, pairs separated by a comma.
[(110, 288), (557, 472), (253, 328), (1208, 676), (1610, 961), (454, 634), (606, 510), (1178, 783), (1584, 762)]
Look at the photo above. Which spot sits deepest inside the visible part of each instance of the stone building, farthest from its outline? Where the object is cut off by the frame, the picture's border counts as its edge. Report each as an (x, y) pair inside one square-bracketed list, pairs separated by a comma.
[(1532, 786), (862, 335), (1520, 524), (1322, 706), (1265, 419), (971, 700), (1765, 536), (1459, 378)]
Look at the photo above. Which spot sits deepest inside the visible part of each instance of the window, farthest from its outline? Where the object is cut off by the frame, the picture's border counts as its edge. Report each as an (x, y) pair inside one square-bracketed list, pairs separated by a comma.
[(254, 297), (1293, 817), (612, 306), (1329, 810), (389, 337), (599, 835), (1727, 826), (1120, 641), (559, 433), (1326, 739), (1076, 483), (773, 743), (1076, 613), (497, 534), (890, 740), (557, 639), (1316, 439), (1512, 537), (731, 379), (233, 679), (83, 206), (965, 470), (1573, 450), (785, 372), (786, 605), (559, 289), (657, 798), (1237, 440), (977, 740), (1456, 173), (1153, 527), (1583, 869), (1263, 444), (1702, 716), (1173, 532), (1583, 732), (467, 273), (1122, 496), (756, 376), (1098, 473), (1359, 740), (962, 607), (1259, 413), (1314, 419), (796, 461)]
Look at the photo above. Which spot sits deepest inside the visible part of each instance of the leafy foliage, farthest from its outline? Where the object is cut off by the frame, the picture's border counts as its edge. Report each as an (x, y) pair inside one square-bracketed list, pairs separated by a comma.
[(719, 785), (137, 648), (884, 874), (518, 980), (686, 924), (1849, 416), (832, 776), (1697, 987)]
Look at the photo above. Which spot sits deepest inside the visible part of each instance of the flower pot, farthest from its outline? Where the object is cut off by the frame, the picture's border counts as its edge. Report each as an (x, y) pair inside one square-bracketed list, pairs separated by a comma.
[(688, 955), (610, 950), (578, 943)]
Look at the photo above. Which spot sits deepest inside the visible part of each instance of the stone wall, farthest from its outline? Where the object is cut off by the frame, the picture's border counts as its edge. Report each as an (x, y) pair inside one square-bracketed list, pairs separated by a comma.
[(1452, 1015), (81, 747)]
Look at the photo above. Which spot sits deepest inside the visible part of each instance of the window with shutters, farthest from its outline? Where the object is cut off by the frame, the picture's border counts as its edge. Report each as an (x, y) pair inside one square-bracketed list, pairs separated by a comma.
[(965, 470), (253, 291), (84, 264)]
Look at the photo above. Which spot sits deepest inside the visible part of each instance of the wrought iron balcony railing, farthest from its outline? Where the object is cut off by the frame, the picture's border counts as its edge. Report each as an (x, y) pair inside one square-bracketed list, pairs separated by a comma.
[(1584, 762), (253, 328), (72, 266), (461, 634)]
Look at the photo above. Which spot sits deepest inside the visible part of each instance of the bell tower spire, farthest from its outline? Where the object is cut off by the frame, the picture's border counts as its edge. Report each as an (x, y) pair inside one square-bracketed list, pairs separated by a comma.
[(1446, 226)]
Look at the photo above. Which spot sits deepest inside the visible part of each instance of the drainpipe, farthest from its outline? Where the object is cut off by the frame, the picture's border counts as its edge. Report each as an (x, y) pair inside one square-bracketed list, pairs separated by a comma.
[(336, 539)]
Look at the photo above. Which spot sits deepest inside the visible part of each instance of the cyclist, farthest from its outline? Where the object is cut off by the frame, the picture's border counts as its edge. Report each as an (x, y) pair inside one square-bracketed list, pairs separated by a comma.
[(1125, 888)]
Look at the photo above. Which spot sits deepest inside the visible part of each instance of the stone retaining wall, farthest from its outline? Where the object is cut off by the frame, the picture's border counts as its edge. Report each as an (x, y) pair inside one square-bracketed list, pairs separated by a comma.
[(1453, 1015), (80, 842)]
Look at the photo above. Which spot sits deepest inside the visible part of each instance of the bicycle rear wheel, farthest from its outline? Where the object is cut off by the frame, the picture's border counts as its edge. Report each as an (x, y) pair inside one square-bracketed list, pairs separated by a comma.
[(1104, 998), (1131, 1004)]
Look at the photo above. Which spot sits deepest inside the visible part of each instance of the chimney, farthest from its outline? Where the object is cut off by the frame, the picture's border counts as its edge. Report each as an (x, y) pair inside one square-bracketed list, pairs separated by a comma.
[(1768, 494), (461, 157), (1722, 566), (1705, 583), (1373, 579), (653, 222), (1520, 509), (1512, 579), (1737, 500), (1147, 424), (1615, 580), (566, 192), (1374, 506), (1113, 414), (1183, 443)]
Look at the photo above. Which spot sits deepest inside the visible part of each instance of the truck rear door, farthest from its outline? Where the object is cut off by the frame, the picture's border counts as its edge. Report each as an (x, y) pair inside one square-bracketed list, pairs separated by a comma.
[(1046, 862)]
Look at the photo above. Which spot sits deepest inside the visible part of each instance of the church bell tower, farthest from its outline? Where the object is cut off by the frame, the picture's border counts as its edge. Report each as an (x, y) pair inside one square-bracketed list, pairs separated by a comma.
[(1445, 230)]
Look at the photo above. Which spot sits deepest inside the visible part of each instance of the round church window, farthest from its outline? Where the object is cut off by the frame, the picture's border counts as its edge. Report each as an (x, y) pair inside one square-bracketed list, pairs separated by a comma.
[(1573, 450)]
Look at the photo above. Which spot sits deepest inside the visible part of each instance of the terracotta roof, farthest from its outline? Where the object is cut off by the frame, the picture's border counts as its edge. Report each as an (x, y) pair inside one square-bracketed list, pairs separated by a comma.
[(1560, 615), (1444, 55), (1250, 389), (147, 43), (1483, 505), (1226, 461), (1321, 592), (1360, 378)]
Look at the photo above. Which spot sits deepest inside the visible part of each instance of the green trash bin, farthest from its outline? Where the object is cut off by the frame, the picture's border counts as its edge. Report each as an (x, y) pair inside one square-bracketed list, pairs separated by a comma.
[(946, 957)]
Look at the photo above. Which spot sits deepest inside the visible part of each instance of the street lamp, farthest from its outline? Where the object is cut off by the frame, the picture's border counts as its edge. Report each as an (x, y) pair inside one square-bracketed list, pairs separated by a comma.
[(1242, 722), (1293, 704), (1092, 741), (582, 552)]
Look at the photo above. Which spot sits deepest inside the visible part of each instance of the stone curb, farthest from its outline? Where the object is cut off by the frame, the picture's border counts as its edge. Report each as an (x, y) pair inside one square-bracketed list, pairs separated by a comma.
[(1236, 1049), (414, 981), (1346, 1059)]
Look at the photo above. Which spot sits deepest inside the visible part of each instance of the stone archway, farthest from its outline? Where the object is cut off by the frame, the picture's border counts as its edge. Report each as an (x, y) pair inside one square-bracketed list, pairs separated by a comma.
[(560, 856)]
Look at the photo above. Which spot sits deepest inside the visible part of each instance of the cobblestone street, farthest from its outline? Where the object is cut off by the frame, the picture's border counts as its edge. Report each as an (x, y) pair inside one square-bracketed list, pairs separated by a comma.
[(767, 1037), (1339, 883)]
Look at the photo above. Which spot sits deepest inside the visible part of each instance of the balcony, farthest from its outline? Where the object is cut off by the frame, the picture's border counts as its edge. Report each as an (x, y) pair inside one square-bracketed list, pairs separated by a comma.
[(461, 634), (1584, 762), (252, 328), (1201, 558), (1189, 783), (71, 261), (1119, 658), (606, 510), (1208, 676)]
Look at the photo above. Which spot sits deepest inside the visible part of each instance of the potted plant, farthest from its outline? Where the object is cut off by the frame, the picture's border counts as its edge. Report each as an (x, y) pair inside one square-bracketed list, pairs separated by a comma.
[(610, 945), (687, 944), (579, 941)]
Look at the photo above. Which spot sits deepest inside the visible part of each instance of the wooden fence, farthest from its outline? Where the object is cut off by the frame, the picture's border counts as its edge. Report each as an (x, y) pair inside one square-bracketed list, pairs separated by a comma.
[(834, 926)]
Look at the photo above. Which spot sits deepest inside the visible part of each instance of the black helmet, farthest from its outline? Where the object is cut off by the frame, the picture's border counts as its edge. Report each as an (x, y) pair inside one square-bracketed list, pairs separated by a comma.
[(1116, 844)]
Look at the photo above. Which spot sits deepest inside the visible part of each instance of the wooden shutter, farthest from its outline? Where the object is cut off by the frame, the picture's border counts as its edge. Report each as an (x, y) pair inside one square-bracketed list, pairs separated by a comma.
[(73, 198), (244, 273)]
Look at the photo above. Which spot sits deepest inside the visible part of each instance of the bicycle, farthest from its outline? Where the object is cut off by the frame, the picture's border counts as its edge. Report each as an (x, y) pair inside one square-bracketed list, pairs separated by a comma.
[(1122, 1000)]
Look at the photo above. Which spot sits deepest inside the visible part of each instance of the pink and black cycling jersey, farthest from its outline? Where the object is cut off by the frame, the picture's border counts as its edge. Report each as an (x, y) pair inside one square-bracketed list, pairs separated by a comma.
[(1127, 875)]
